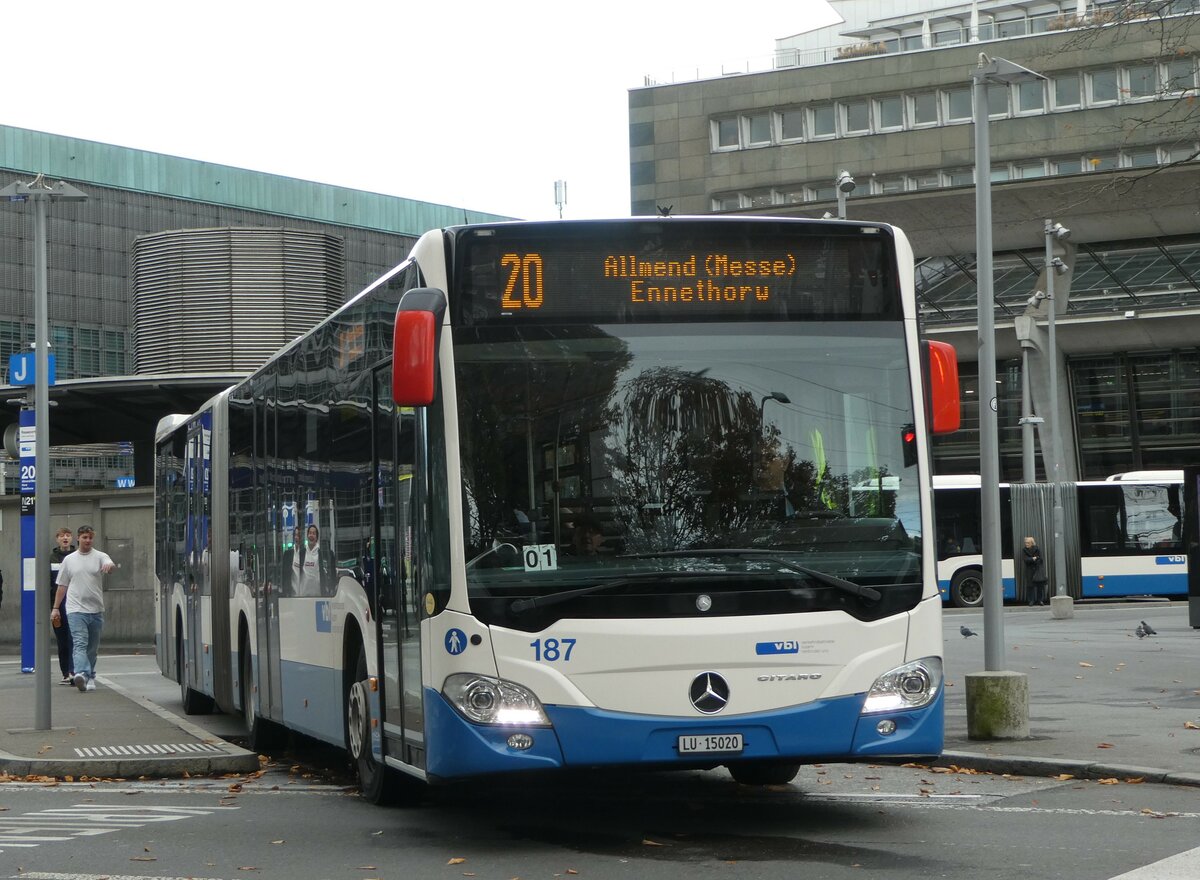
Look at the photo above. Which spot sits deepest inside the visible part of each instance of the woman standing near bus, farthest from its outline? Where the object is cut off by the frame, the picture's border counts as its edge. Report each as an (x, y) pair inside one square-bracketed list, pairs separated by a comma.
[(1035, 573)]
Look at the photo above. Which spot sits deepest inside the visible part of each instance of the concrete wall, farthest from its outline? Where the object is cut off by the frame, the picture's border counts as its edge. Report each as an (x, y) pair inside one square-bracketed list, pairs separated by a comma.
[(124, 523)]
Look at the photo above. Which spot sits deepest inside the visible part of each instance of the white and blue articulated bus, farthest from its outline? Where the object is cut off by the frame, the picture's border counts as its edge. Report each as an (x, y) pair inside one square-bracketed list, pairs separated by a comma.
[(1123, 537), (638, 493)]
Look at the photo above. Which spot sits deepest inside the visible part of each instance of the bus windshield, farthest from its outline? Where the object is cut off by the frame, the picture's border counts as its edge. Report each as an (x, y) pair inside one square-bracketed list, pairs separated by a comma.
[(622, 470)]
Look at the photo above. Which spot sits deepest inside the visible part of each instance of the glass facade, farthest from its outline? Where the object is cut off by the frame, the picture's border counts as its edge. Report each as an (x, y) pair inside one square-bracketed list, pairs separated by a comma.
[(1137, 411)]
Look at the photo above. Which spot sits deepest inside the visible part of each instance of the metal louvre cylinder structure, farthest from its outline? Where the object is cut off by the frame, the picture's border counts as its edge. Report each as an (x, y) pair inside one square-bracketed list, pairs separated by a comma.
[(226, 299), (1033, 514)]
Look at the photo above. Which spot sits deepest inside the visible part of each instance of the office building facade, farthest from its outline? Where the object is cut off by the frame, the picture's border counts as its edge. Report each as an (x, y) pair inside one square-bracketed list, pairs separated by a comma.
[(1105, 144)]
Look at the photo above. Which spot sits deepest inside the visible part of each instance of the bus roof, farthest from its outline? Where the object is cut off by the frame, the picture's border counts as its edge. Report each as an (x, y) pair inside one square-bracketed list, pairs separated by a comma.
[(1146, 476)]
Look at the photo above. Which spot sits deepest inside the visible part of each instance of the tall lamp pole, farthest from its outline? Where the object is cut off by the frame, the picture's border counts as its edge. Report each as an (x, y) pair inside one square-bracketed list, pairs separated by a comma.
[(1055, 266), (845, 185), (41, 194), (989, 71)]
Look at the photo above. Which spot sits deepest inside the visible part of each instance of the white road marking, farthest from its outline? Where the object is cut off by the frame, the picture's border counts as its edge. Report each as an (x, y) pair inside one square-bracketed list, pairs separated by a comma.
[(164, 749), (59, 824), (1182, 866)]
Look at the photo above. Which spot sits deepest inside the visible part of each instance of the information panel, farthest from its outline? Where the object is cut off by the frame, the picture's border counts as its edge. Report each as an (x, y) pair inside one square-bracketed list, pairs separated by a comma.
[(674, 270)]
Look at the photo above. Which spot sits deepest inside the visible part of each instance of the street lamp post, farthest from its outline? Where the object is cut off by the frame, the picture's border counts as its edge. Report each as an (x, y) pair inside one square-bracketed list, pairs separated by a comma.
[(1055, 266), (989, 71), (779, 397), (41, 194)]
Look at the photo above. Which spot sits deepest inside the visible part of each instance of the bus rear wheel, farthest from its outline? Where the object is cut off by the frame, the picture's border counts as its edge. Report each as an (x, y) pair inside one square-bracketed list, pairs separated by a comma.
[(767, 773), (261, 734), (966, 589)]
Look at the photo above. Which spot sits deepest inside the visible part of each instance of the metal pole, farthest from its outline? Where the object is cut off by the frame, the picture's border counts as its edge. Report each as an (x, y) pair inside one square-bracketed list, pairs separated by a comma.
[(989, 446), (41, 488), (1060, 557), (1028, 462), (841, 197)]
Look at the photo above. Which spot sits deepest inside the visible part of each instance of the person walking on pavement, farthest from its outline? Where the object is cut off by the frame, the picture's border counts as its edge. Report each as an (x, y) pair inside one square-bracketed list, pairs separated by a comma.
[(62, 626), (83, 571), (1035, 573)]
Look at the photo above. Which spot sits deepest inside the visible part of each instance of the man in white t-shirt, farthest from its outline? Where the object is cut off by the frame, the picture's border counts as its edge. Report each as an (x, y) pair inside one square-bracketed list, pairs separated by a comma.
[(83, 571), (310, 565)]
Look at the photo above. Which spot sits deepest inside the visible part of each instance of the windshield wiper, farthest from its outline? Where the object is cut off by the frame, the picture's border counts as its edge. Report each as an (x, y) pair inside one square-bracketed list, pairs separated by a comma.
[(868, 593), (520, 606)]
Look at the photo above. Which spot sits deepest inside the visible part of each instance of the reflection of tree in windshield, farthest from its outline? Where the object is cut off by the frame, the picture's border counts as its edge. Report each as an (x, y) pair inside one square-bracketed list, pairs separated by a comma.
[(524, 397), (682, 459)]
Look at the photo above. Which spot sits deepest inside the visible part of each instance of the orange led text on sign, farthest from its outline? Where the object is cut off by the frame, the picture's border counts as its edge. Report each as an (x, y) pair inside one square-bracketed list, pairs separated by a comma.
[(720, 269), (524, 272)]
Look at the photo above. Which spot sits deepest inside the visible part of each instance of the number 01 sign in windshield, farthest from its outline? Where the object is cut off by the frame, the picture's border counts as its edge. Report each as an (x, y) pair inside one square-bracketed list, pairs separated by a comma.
[(675, 270)]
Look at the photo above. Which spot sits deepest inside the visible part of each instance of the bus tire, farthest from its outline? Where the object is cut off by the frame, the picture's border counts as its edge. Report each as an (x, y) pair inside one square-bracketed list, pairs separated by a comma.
[(966, 588), (764, 773), (261, 734), (194, 702), (379, 784)]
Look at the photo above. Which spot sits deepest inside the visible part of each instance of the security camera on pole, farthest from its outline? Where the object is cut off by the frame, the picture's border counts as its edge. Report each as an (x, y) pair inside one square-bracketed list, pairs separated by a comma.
[(845, 186)]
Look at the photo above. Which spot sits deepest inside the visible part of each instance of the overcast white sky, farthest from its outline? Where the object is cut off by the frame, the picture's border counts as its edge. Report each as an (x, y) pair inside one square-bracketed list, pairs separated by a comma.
[(480, 106)]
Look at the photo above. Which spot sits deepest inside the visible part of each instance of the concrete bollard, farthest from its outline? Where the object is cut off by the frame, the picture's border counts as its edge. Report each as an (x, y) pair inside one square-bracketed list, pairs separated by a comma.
[(1062, 607), (997, 705)]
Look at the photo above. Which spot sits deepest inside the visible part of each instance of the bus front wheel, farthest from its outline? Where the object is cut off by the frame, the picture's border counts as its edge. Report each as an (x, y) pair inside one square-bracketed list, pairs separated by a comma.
[(379, 784), (966, 589), (764, 773)]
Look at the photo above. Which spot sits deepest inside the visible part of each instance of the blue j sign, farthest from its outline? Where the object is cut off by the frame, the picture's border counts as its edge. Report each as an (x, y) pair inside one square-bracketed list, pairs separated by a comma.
[(22, 369)]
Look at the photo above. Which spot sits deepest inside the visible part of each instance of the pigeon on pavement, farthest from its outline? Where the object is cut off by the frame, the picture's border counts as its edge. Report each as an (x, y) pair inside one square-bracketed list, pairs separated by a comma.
[(1140, 631), (1150, 631), (967, 632)]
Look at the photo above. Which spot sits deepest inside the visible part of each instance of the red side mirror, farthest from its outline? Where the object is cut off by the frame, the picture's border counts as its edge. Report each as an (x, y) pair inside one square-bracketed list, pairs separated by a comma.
[(941, 370), (414, 346)]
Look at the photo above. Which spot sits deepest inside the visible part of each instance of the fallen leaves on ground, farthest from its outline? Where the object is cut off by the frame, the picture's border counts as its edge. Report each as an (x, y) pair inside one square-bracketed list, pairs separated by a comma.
[(1191, 725), (1105, 745), (455, 861), (1087, 665)]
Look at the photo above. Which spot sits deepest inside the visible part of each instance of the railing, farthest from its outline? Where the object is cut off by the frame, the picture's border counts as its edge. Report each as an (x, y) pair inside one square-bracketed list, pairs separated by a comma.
[(941, 37)]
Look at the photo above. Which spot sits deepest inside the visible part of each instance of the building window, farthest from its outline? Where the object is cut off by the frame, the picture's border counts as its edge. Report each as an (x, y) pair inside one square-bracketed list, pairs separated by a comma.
[(889, 113), (823, 193), (856, 117), (1066, 91), (1181, 75), (1103, 161), (922, 108), (997, 98), (726, 131), (758, 129), (951, 37), (761, 198), (727, 202), (893, 184), (1143, 81), (793, 195), (960, 177), (791, 125), (1000, 173), (1031, 97), (958, 104), (822, 121), (1142, 158), (911, 43), (930, 180), (1029, 170), (1102, 87), (1065, 165), (1013, 27)]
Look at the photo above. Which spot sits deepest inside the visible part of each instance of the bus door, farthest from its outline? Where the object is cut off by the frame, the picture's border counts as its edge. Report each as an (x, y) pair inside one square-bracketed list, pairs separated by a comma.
[(394, 551), (197, 547)]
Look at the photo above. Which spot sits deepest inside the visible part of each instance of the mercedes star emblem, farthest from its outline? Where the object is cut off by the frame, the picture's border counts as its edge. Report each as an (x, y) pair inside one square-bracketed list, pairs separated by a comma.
[(709, 693)]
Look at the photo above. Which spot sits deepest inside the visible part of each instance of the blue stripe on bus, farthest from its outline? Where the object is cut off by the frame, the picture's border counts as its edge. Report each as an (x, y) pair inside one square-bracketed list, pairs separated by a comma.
[(583, 737), (1157, 584)]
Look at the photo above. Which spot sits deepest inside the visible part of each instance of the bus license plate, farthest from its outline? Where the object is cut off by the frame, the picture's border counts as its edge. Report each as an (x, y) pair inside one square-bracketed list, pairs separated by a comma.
[(711, 742)]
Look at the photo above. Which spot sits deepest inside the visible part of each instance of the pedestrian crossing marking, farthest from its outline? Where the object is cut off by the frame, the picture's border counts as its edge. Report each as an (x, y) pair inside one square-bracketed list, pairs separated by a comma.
[(151, 750)]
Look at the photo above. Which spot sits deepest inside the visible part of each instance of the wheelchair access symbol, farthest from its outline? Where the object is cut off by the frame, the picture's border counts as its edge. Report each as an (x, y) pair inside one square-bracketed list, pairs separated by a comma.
[(456, 641)]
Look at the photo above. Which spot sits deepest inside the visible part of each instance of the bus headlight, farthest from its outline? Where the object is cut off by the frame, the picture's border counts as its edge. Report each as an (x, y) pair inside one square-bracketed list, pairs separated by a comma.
[(486, 700), (910, 686)]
